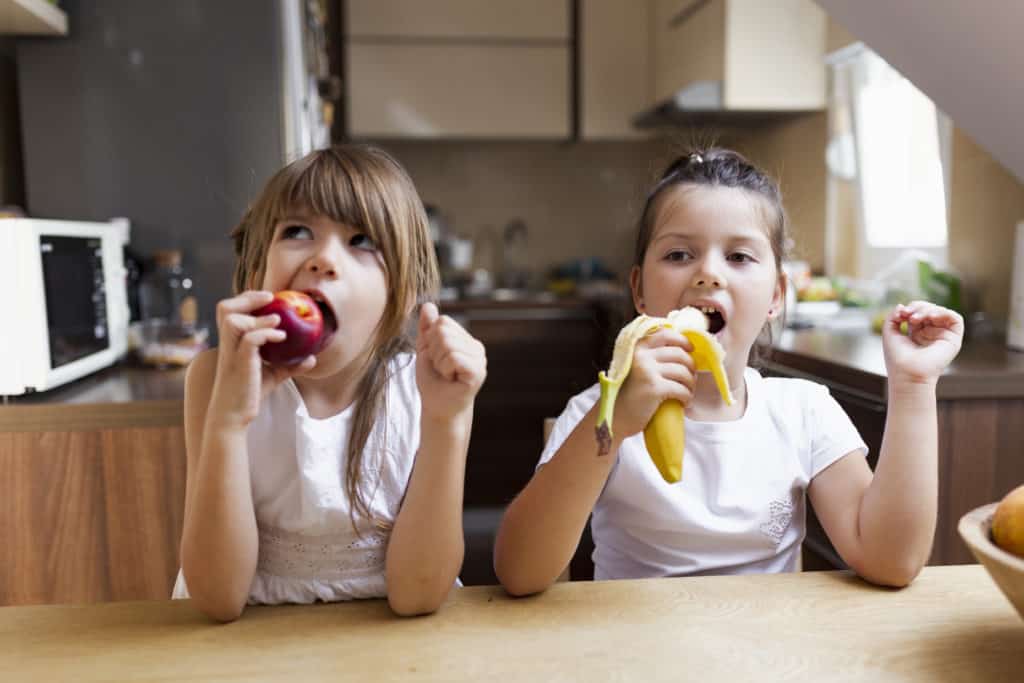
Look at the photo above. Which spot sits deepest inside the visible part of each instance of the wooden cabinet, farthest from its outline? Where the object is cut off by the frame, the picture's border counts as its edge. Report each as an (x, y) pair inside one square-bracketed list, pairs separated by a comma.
[(458, 19), (458, 69), (92, 489), (458, 91), (537, 358), (615, 67), (90, 515), (747, 54)]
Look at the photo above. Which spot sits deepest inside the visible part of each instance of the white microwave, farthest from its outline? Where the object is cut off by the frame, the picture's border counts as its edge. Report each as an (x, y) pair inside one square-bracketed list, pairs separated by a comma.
[(65, 312)]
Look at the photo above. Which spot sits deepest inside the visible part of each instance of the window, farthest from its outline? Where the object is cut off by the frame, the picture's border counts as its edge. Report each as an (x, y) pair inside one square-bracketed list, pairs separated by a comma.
[(892, 146)]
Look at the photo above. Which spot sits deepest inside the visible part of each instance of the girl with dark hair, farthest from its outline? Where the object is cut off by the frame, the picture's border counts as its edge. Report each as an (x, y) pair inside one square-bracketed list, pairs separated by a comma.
[(711, 236)]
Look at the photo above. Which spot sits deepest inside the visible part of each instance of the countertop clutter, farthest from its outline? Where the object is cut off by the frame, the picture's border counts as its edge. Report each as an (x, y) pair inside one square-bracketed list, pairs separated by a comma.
[(952, 624)]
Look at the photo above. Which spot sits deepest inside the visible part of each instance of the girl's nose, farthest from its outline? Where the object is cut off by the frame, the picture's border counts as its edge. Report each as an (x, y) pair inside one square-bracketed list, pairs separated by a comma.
[(324, 262), (316, 266), (709, 276)]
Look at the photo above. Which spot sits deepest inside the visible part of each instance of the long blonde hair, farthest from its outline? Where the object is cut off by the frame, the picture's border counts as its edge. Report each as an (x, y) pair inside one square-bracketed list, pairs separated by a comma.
[(363, 187)]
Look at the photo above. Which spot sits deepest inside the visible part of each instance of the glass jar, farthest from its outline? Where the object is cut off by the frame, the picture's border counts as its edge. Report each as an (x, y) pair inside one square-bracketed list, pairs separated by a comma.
[(169, 334), (165, 293)]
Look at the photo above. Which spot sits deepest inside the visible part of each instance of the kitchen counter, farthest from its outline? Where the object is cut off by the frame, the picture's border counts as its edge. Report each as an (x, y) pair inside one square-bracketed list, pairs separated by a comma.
[(952, 624), (122, 395), (853, 359), (93, 488)]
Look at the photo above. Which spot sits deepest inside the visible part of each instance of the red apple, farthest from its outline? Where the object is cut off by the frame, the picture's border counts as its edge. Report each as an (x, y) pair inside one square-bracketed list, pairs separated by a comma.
[(302, 322)]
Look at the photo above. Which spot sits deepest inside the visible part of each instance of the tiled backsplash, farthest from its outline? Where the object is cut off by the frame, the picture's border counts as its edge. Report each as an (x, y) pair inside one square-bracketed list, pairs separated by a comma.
[(577, 200), (582, 199)]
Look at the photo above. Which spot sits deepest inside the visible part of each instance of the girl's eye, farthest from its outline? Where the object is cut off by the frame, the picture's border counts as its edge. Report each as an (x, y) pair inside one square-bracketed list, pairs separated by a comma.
[(362, 241), (678, 255), (296, 232), (740, 257)]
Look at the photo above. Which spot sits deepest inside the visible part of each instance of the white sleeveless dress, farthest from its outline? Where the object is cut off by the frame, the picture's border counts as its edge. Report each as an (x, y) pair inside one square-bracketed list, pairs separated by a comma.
[(308, 550)]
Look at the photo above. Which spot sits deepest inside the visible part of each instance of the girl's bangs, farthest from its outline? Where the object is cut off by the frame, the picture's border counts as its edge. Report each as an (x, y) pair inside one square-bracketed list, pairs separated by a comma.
[(325, 189)]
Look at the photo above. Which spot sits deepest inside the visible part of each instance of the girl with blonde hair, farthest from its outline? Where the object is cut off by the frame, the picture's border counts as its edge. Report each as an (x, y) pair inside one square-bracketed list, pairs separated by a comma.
[(339, 477)]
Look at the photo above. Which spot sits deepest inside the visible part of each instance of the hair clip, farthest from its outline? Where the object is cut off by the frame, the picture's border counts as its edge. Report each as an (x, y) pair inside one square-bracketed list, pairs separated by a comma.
[(696, 158)]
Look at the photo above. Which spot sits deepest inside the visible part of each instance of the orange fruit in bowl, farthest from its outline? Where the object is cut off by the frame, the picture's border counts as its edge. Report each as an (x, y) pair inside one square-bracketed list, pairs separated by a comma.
[(1008, 522)]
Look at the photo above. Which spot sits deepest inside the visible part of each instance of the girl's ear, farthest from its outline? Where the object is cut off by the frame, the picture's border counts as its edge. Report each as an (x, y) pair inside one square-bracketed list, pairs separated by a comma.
[(637, 287), (778, 296)]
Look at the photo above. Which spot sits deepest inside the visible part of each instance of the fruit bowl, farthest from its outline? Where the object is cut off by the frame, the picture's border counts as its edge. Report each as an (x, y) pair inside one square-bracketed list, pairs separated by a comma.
[(1006, 569)]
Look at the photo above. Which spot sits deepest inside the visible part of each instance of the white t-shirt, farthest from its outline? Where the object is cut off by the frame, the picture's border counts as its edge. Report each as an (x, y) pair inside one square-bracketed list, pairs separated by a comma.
[(740, 505), (308, 550)]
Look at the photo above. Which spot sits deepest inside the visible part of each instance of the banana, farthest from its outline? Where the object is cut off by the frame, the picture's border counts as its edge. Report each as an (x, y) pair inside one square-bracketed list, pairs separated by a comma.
[(664, 434)]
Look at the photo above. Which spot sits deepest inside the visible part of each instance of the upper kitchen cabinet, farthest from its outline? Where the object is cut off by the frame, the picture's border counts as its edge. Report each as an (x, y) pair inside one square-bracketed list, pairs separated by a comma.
[(615, 66), (736, 57), (32, 18), (458, 19), (458, 69)]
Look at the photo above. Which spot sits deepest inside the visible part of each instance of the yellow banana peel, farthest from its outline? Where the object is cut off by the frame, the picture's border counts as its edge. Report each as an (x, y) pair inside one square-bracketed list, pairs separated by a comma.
[(664, 434)]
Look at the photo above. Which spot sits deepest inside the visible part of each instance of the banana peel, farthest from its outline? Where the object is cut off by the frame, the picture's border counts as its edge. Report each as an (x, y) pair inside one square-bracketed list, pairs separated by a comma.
[(664, 434)]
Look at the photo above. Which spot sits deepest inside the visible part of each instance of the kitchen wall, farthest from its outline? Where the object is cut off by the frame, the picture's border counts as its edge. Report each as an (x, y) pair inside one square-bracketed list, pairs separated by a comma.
[(12, 190), (167, 113), (986, 204), (583, 199), (793, 152), (577, 199)]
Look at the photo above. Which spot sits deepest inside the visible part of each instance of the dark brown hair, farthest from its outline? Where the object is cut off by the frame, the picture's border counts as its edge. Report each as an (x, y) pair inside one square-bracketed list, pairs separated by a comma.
[(363, 187), (717, 167)]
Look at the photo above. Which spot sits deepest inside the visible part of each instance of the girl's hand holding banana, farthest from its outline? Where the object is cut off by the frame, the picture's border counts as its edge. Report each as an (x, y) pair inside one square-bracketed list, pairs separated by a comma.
[(661, 383), (661, 369)]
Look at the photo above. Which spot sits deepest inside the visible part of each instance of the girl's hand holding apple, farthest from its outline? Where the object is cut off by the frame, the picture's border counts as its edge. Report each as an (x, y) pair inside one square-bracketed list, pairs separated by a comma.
[(247, 323)]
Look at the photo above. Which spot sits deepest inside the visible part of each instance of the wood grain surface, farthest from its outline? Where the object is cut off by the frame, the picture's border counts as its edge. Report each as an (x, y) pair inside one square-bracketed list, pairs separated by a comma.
[(952, 624), (89, 516)]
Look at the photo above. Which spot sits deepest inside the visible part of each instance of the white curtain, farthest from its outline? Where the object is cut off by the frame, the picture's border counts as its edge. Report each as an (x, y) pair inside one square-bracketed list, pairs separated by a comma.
[(889, 140)]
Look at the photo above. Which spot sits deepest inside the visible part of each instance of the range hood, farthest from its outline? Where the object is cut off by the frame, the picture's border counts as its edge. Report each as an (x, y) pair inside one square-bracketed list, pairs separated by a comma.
[(702, 103)]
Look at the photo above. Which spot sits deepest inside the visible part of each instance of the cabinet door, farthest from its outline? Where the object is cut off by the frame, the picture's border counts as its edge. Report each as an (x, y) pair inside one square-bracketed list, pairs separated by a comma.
[(460, 19), (458, 90), (774, 55), (615, 74), (689, 44), (765, 56), (536, 361), (90, 516)]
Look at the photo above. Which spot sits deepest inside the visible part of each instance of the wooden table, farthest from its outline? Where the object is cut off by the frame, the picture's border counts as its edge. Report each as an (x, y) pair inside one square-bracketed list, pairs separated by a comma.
[(952, 624)]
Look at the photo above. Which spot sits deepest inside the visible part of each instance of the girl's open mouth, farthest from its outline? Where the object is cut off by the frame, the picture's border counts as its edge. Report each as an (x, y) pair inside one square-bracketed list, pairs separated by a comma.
[(330, 319), (716, 321)]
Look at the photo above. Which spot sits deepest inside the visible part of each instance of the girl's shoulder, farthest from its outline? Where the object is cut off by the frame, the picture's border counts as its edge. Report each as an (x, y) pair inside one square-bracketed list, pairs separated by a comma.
[(787, 393), (401, 376), (402, 409)]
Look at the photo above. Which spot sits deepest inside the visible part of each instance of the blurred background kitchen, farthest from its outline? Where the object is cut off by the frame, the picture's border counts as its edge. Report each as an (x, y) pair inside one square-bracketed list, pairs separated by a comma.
[(531, 130)]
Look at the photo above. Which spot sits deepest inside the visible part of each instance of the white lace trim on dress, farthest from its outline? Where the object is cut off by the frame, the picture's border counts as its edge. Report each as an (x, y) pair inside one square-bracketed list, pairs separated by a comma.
[(325, 557)]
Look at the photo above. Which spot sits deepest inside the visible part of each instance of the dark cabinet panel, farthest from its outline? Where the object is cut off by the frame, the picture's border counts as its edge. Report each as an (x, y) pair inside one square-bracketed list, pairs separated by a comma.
[(534, 365)]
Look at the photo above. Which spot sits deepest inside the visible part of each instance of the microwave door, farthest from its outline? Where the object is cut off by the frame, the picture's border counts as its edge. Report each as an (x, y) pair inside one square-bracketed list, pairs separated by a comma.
[(76, 299)]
